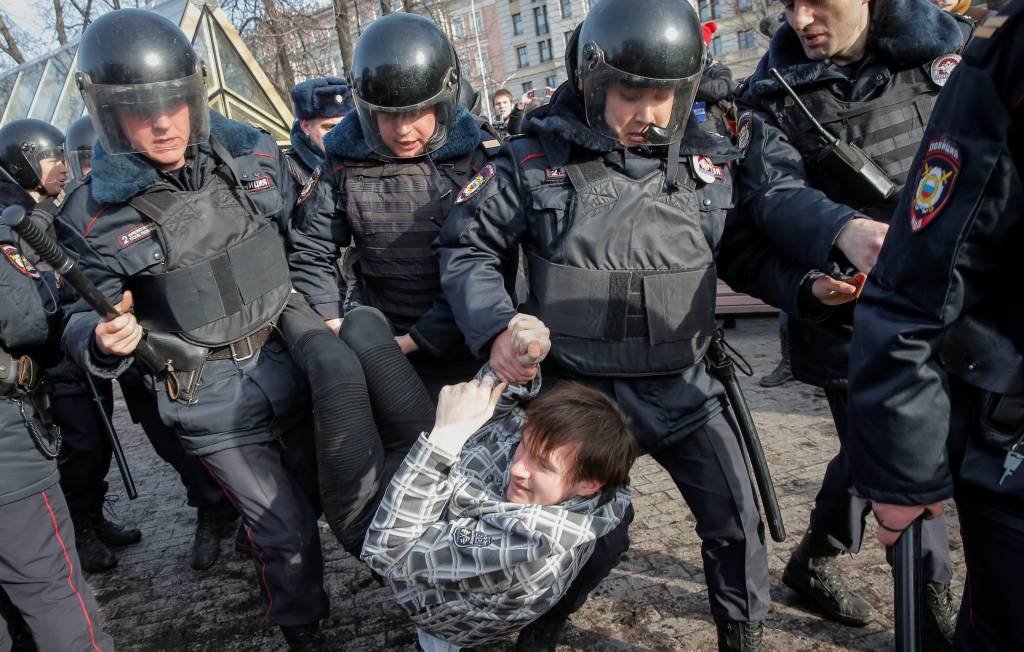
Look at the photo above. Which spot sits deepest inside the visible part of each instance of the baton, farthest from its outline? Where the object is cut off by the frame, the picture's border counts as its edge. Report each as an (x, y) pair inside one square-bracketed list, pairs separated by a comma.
[(115, 441), (722, 367), (15, 217), (906, 566)]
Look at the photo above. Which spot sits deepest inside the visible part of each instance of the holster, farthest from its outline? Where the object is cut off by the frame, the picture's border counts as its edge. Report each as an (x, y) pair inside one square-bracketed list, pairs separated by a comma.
[(185, 362), (1001, 420), (18, 374)]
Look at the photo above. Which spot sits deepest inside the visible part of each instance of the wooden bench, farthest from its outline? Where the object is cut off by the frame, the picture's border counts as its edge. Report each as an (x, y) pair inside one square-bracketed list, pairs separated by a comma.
[(731, 303)]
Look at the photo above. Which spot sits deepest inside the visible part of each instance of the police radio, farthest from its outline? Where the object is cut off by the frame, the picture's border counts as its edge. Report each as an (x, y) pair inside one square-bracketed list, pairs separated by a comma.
[(844, 161)]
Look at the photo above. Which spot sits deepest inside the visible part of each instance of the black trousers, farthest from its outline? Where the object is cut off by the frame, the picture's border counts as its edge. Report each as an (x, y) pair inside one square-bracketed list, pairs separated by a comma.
[(85, 453)]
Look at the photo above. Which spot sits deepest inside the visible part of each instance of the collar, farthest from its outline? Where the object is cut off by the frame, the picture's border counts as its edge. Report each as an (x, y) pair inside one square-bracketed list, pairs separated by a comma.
[(346, 141)]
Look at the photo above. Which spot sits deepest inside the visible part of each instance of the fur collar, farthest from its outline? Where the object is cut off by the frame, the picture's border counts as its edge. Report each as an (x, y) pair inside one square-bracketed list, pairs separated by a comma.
[(346, 140), (304, 148), (116, 178), (12, 194), (902, 32)]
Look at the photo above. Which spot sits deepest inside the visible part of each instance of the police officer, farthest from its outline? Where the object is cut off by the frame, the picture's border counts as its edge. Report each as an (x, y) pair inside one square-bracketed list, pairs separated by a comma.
[(619, 200), (392, 175), (937, 371), (177, 221), (320, 104), (869, 73), (78, 145)]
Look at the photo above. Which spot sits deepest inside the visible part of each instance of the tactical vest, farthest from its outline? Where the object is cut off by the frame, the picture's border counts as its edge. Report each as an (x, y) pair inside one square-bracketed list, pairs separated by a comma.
[(627, 281), (225, 274), (396, 210), (888, 128)]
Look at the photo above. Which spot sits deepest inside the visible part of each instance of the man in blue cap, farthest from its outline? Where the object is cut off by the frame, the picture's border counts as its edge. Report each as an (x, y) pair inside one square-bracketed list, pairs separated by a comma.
[(319, 104)]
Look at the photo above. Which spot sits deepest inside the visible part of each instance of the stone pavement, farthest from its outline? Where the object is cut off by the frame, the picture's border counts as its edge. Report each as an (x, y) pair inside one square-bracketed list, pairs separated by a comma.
[(654, 600)]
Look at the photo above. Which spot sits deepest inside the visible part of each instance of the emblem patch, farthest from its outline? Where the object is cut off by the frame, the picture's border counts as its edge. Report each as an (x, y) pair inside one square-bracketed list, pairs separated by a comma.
[(555, 174), (939, 170), (743, 131), (485, 174), (258, 184), (465, 538), (706, 170), (136, 234), (307, 189), (943, 67), (19, 261)]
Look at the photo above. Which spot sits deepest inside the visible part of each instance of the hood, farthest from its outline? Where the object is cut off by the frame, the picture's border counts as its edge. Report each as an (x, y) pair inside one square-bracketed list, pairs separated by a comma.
[(346, 140)]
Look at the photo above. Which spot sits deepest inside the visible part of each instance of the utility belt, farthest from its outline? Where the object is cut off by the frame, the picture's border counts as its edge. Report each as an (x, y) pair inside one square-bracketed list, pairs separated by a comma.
[(18, 375), (186, 361), (21, 379)]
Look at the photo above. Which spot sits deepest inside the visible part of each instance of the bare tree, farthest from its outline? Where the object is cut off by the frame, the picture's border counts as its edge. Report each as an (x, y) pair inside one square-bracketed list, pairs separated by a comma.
[(385, 7), (58, 15), (9, 46), (342, 27)]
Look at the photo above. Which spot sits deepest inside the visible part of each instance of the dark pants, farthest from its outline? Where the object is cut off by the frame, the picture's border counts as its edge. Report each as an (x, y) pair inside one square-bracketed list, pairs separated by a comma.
[(39, 571), (86, 452), (838, 517)]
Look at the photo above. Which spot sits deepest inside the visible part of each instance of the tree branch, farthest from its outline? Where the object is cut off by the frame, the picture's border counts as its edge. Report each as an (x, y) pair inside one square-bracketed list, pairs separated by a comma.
[(10, 44)]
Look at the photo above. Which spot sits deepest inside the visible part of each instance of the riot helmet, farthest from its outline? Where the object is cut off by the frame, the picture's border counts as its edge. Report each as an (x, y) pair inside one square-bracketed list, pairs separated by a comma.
[(639, 44), (24, 145), (78, 147), (135, 66), (403, 64), (468, 96)]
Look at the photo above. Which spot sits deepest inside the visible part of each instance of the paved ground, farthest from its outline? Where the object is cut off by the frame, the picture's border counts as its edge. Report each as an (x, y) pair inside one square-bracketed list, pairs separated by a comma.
[(655, 600)]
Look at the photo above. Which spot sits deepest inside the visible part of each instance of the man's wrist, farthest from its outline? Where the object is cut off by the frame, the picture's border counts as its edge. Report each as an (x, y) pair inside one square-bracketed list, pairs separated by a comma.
[(450, 439)]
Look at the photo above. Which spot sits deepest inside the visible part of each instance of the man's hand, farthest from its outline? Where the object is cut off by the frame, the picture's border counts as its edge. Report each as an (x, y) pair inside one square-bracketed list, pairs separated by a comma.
[(406, 343), (518, 350), (122, 334), (893, 519), (334, 324), (462, 410), (833, 292), (861, 240)]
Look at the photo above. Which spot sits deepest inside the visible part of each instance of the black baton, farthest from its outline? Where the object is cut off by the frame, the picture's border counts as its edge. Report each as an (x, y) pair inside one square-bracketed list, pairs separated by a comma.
[(15, 217), (907, 588), (723, 368), (115, 441)]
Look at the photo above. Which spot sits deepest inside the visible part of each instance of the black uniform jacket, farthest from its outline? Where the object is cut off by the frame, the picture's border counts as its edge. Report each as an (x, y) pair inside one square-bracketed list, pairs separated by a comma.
[(302, 157), (951, 260)]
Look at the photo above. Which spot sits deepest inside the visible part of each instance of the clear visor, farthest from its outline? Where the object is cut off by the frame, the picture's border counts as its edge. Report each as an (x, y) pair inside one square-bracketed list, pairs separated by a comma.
[(656, 109), (398, 132), (157, 117), (79, 162), (36, 156)]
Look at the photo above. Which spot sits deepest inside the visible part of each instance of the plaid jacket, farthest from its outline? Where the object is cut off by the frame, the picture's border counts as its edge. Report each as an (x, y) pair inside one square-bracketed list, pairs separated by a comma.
[(467, 566)]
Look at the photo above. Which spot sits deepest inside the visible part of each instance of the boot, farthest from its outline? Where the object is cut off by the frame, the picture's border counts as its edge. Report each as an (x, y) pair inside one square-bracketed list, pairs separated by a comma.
[(737, 636), (939, 619), (213, 523), (304, 637), (114, 535), (782, 374), (542, 634), (93, 554), (814, 574)]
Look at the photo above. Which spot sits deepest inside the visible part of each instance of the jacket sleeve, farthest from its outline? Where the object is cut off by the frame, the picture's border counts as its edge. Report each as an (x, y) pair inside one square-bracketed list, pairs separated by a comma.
[(25, 318), (476, 244), (715, 84), (436, 331)]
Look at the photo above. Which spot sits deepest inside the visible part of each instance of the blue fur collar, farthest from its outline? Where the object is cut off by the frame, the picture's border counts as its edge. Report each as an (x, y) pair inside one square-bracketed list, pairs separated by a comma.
[(346, 140), (304, 147), (116, 178), (902, 32)]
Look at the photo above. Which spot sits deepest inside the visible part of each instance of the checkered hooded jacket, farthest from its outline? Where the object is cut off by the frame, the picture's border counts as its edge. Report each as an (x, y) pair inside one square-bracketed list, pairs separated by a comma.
[(466, 565)]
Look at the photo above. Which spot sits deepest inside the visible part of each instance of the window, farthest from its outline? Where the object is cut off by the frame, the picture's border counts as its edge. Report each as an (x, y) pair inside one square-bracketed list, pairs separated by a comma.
[(527, 86), (458, 27), (567, 8), (745, 5), (716, 46), (517, 23), (545, 50), (540, 19), (565, 39), (522, 58), (709, 10), (552, 81), (746, 39), (486, 59), (478, 21)]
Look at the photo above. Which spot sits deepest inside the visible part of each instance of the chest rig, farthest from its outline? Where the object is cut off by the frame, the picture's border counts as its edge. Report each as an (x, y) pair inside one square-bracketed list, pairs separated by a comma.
[(225, 275), (627, 281), (888, 129), (395, 211)]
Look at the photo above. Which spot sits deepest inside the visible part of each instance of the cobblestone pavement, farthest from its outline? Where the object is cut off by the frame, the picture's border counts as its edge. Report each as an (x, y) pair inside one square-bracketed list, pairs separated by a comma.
[(654, 600)]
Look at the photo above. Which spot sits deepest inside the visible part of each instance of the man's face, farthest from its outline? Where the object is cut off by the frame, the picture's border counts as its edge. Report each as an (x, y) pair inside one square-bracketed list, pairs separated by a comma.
[(53, 173), (162, 138), (317, 128), (629, 110), (534, 481), (407, 134), (503, 106), (827, 28)]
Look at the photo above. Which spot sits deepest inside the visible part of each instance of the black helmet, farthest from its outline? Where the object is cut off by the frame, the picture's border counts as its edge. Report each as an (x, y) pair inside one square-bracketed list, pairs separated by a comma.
[(638, 43), (468, 96), (136, 62), (23, 144), (78, 147), (403, 63)]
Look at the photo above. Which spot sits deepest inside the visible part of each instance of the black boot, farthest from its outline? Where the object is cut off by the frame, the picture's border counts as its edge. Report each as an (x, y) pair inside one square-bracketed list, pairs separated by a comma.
[(542, 634), (939, 618), (213, 523), (304, 637), (93, 554), (113, 534), (814, 574), (737, 636)]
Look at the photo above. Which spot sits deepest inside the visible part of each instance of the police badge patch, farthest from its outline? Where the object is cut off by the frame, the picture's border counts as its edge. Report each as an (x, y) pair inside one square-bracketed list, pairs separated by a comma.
[(743, 131), (19, 261), (485, 174), (706, 170), (943, 67), (257, 184), (939, 170), (307, 189), (465, 538)]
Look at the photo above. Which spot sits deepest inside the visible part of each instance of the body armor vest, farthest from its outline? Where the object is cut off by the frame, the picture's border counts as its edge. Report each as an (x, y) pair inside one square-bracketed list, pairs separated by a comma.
[(225, 275), (627, 282), (396, 210), (888, 129)]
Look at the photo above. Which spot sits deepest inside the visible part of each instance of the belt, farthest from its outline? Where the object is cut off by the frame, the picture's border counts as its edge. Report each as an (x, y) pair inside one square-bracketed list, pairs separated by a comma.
[(244, 348)]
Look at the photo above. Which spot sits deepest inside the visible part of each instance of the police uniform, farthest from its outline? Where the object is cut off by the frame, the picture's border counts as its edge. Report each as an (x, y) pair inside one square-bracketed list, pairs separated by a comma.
[(323, 97), (879, 104), (936, 371)]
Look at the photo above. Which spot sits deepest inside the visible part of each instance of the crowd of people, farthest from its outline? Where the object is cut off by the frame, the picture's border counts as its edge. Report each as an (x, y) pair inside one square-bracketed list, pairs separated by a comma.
[(452, 338)]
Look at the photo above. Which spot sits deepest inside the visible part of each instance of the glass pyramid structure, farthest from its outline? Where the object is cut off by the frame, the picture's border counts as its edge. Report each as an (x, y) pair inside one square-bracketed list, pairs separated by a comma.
[(44, 87)]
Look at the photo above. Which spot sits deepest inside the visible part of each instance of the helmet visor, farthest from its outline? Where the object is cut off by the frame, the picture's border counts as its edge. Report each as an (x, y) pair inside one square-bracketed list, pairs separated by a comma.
[(637, 110), (404, 132), (79, 162), (141, 118)]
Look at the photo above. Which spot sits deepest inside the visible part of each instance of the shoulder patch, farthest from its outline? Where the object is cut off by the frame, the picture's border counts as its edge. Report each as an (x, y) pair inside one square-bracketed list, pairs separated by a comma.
[(491, 144), (942, 67), (136, 234), (257, 184), (485, 174), (743, 131), (466, 538), (935, 182), (706, 170), (18, 261), (311, 182)]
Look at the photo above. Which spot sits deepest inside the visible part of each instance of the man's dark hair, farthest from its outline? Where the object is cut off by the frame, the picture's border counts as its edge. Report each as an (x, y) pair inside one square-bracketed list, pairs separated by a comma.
[(590, 422), (503, 91)]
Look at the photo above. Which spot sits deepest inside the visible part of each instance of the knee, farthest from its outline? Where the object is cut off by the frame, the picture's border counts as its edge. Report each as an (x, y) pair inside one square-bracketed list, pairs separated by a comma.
[(364, 327)]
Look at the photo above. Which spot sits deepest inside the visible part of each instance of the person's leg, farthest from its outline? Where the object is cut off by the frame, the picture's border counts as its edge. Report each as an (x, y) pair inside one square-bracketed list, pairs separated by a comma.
[(782, 373)]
